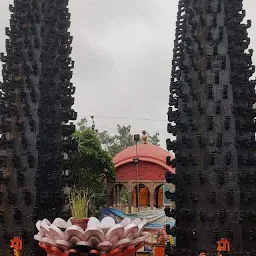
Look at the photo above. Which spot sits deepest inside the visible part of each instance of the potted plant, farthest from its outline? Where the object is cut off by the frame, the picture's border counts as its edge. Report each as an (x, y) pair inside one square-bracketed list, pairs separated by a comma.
[(79, 201)]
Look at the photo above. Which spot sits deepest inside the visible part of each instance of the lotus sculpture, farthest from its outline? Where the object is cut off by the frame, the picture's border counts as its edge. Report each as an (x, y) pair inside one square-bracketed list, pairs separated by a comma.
[(100, 237)]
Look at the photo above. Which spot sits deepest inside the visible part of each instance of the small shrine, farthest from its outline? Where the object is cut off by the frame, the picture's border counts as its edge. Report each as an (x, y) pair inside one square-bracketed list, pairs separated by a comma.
[(140, 171)]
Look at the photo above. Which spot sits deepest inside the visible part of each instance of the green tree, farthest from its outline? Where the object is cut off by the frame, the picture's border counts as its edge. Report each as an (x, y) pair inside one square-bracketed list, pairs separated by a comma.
[(114, 144), (154, 139), (124, 195), (117, 142), (92, 167), (82, 124), (123, 139)]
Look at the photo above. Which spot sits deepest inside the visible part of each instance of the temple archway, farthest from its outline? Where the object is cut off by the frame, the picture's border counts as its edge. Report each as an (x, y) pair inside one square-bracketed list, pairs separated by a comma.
[(119, 195), (143, 195), (124, 196), (159, 196)]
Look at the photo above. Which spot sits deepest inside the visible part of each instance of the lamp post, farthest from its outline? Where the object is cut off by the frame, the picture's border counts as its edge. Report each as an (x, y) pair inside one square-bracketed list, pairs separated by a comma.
[(136, 138)]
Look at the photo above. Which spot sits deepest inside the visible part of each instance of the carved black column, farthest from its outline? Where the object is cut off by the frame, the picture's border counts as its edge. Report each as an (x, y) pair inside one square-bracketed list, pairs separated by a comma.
[(55, 107), (204, 115), (20, 124), (244, 98), (35, 108)]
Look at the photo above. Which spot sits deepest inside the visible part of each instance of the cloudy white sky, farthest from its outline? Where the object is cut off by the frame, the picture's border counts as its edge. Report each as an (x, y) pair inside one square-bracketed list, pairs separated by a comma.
[(123, 53)]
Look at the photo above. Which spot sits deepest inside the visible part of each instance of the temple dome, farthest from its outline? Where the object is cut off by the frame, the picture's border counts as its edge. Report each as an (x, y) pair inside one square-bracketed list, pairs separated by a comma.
[(146, 152)]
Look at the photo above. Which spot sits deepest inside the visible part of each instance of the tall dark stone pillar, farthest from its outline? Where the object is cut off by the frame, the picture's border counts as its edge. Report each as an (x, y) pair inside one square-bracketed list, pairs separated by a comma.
[(244, 115), (35, 107), (55, 111), (20, 125), (208, 115)]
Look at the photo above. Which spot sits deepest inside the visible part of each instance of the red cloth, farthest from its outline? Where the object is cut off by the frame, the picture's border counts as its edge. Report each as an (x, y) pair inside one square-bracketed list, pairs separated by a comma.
[(159, 251)]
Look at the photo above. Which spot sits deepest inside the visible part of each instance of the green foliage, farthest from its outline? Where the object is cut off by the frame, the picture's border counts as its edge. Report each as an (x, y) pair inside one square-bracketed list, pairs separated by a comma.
[(114, 144), (123, 139), (82, 124), (124, 195), (154, 139), (92, 167), (118, 142)]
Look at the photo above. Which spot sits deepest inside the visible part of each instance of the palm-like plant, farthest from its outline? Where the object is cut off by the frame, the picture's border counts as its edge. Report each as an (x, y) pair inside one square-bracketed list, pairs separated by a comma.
[(79, 201)]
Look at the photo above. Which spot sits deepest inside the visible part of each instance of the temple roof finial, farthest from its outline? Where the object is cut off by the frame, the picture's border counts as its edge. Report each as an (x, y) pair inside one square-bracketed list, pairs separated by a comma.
[(144, 137)]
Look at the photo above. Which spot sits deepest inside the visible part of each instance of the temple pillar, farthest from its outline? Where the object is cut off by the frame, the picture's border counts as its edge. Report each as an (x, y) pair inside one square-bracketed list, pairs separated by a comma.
[(151, 190), (109, 196), (118, 195), (129, 197), (114, 196)]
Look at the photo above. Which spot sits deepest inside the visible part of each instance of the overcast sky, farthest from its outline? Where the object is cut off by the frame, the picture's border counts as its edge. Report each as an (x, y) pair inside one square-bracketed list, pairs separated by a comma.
[(123, 51)]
